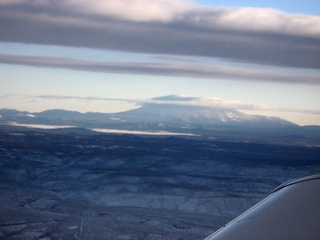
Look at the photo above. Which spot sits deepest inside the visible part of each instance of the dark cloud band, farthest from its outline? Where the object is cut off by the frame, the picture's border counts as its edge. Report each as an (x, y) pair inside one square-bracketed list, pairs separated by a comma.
[(280, 39), (184, 69)]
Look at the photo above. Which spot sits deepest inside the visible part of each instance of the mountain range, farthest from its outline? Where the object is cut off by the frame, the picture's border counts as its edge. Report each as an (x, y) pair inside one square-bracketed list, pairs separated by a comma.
[(172, 109), (172, 114), (175, 168)]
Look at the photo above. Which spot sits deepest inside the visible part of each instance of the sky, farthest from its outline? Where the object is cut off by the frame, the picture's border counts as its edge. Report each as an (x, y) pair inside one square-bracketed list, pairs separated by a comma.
[(258, 57)]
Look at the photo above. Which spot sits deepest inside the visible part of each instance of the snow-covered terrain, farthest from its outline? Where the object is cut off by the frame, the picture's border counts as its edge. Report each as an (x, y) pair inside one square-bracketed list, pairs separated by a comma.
[(79, 186), (176, 168)]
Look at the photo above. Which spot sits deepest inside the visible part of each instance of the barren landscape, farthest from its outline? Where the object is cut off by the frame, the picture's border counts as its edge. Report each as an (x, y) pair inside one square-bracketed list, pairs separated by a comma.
[(111, 186)]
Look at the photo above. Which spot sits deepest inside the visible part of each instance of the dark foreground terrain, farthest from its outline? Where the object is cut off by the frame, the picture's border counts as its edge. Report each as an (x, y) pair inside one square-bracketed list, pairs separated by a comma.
[(82, 186)]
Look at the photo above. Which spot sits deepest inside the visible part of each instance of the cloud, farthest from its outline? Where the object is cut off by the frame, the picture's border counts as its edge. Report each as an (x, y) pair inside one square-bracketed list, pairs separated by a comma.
[(140, 10), (176, 27), (213, 102), (179, 69), (177, 10), (218, 103), (90, 98), (6, 96), (176, 99), (183, 100)]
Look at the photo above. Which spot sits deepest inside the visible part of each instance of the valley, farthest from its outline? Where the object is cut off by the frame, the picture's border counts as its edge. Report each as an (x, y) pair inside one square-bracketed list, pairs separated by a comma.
[(58, 185)]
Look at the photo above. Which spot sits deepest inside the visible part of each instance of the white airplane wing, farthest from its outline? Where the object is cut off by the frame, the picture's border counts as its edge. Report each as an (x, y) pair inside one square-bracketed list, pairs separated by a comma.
[(292, 212)]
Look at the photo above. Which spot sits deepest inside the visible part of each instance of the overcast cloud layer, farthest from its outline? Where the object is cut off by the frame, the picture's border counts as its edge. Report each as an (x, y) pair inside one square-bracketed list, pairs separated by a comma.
[(263, 36)]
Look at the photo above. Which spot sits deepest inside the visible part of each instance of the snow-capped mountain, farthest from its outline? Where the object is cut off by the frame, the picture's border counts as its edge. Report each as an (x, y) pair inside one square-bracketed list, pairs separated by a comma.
[(190, 110), (171, 115), (172, 110), (194, 115)]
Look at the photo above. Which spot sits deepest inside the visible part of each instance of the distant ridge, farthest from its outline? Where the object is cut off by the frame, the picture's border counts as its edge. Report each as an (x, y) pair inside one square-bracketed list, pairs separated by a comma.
[(167, 115), (182, 114), (173, 110)]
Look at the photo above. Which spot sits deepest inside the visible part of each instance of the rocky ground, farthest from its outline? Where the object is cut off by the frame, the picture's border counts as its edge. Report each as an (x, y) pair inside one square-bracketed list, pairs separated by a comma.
[(126, 187)]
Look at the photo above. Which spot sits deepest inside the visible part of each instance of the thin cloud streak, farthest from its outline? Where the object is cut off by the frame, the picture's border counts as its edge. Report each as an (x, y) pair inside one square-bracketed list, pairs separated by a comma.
[(177, 27), (59, 97), (213, 102), (183, 69)]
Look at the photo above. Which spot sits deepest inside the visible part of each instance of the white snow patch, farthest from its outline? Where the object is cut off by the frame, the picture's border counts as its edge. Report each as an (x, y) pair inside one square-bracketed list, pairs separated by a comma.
[(72, 227), (17, 134), (141, 132), (42, 126)]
